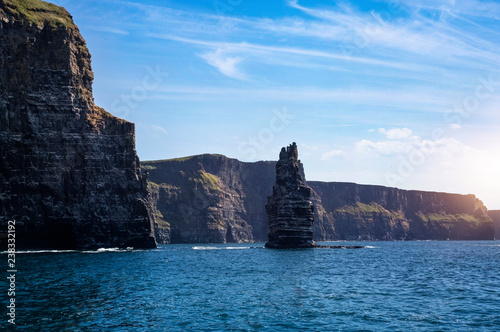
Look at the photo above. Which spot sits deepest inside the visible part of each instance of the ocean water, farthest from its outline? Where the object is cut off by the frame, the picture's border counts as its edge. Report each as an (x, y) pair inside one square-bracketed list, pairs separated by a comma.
[(388, 286)]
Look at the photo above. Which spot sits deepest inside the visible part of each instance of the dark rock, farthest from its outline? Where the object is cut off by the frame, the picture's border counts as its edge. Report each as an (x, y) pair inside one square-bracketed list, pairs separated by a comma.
[(495, 216), (69, 172), (290, 212), (210, 199)]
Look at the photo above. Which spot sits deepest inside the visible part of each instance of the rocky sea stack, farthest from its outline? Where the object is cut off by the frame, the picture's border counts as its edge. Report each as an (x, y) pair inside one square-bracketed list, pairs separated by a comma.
[(69, 172), (290, 211)]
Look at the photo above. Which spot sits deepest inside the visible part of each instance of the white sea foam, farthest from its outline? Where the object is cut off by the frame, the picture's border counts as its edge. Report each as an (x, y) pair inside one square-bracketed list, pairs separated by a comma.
[(40, 251), (218, 248), (98, 251), (102, 250)]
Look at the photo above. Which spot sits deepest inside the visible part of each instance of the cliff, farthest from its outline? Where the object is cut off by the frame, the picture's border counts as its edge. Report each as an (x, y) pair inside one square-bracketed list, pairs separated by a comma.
[(290, 212), (69, 172), (364, 212), (211, 198), (495, 216)]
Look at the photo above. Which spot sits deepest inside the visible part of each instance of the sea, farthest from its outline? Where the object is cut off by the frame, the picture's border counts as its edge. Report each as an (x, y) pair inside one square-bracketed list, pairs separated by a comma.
[(386, 286)]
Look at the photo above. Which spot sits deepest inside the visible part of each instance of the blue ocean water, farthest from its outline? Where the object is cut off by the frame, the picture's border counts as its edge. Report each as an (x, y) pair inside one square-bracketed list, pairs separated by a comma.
[(389, 286)]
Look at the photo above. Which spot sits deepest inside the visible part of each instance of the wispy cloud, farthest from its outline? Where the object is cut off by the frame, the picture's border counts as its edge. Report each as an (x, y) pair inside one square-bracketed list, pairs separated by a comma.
[(159, 129), (416, 35), (421, 100), (256, 50), (226, 64), (110, 30), (477, 8)]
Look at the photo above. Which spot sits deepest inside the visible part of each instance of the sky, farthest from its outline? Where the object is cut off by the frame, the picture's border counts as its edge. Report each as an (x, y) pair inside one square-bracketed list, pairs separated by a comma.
[(396, 93)]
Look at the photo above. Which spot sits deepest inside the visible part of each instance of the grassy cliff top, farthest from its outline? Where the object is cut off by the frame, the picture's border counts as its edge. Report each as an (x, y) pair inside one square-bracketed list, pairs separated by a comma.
[(38, 12), (183, 159)]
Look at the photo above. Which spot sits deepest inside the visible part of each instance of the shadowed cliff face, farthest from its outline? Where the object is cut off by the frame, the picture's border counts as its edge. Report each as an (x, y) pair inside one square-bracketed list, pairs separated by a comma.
[(381, 213), (69, 173), (191, 193), (495, 216), (210, 199)]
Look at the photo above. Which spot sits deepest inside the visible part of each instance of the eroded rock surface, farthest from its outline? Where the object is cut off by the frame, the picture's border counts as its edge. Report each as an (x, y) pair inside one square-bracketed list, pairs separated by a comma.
[(69, 172), (290, 212)]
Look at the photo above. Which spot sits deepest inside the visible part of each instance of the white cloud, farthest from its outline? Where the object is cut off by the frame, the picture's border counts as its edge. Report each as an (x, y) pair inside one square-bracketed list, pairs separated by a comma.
[(467, 7), (396, 133), (224, 63), (264, 51), (400, 142)]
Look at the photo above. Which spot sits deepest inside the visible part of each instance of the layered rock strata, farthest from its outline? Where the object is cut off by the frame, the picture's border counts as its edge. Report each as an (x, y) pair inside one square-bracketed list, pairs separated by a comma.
[(212, 198), (290, 212), (69, 172)]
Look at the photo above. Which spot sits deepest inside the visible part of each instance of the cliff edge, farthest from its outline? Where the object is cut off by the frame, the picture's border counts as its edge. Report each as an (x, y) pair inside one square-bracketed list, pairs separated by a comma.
[(69, 172)]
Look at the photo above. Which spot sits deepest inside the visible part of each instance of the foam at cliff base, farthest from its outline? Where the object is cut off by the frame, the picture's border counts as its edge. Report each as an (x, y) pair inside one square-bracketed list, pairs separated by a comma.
[(219, 248), (98, 251)]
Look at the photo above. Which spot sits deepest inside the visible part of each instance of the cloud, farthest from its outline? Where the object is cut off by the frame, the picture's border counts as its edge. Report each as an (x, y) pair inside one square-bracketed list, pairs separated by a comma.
[(417, 34), (400, 142), (477, 8), (159, 129), (420, 101), (331, 155), (111, 30), (396, 133), (224, 63), (264, 51)]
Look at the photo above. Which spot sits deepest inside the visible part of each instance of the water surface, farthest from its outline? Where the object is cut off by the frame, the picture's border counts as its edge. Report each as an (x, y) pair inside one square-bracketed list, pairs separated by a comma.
[(397, 286)]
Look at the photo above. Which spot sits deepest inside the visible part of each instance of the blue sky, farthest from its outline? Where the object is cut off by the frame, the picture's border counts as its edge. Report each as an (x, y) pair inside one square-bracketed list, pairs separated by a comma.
[(397, 93)]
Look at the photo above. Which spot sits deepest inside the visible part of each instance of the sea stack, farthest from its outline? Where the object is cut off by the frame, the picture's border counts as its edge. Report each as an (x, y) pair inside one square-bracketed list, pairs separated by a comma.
[(69, 173), (290, 212)]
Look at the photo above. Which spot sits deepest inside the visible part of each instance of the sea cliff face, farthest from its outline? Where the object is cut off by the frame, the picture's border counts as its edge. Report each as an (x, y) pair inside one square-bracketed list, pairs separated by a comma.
[(211, 198), (363, 212), (69, 172), (495, 216)]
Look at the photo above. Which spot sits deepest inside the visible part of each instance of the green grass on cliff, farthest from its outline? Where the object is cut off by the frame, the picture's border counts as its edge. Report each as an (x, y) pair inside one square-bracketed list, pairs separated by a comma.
[(450, 218), (38, 12), (207, 180), (362, 208)]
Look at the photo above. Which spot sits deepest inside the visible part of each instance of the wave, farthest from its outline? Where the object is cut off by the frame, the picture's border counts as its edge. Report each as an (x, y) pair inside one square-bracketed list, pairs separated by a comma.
[(218, 248), (20, 252), (98, 251), (101, 250)]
